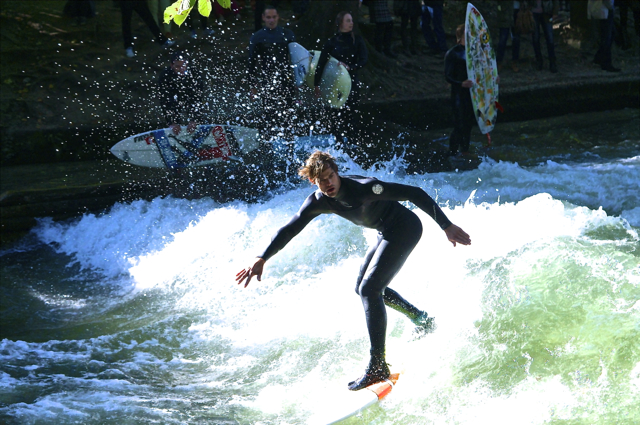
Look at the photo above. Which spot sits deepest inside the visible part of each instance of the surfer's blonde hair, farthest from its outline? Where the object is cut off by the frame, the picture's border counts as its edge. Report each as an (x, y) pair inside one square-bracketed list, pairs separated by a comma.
[(316, 164)]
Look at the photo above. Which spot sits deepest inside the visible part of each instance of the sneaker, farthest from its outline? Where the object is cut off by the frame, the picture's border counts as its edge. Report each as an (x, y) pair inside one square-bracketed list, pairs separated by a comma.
[(194, 34), (208, 32), (424, 325), (168, 43), (129, 52)]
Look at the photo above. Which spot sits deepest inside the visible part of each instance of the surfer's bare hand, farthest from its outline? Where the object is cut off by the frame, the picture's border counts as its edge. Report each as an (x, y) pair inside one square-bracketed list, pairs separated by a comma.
[(457, 235), (246, 274), (175, 128), (467, 84)]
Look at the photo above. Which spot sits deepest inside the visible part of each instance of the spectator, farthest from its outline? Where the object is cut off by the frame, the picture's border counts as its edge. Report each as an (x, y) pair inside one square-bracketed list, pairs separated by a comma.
[(142, 9), (182, 93), (350, 50), (507, 13), (270, 76), (455, 71), (409, 12), (544, 12), (602, 11), (381, 17), (436, 38)]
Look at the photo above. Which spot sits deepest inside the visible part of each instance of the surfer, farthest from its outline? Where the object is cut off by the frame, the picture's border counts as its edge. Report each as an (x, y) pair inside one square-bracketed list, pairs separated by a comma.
[(350, 50), (270, 76), (455, 71), (182, 91), (375, 204)]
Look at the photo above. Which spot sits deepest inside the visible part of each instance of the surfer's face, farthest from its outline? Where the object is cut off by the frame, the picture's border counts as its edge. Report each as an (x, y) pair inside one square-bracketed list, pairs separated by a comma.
[(328, 182), (347, 23), (270, 18)]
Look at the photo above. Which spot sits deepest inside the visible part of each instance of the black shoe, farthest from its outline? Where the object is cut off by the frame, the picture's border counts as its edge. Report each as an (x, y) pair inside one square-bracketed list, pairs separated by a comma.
[(372, 375), (610, 68)]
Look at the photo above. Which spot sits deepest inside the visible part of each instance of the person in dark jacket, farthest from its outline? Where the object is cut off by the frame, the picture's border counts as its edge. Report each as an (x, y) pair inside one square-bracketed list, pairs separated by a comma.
[(380, 16), (182, 92), (142, 9), (270, 76), (409, 12), (374, 204), (350, 50), (436, 38), (455, 71)]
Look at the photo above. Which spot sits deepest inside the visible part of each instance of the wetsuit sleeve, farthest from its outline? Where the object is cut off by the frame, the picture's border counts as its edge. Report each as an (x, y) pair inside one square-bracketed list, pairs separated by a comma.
[(418, 197), (322, 62), (308, 211), (362, 55)]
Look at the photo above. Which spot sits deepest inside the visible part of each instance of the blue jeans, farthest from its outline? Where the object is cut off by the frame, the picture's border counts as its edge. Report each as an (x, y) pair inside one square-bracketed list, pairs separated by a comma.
[(542, 22), (502, 42), (439, 42)]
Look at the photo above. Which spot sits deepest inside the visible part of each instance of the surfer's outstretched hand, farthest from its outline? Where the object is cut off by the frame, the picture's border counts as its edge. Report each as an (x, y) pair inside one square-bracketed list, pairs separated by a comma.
[(247, 273), (457, 235)]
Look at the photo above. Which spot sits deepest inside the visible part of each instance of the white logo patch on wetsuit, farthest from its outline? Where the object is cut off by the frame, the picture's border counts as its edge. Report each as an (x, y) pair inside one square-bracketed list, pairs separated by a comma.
[(377, 189)]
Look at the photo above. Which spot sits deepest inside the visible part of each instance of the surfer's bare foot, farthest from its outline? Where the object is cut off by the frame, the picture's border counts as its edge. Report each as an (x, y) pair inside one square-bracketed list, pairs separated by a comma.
[(424, 325), (372, 375)]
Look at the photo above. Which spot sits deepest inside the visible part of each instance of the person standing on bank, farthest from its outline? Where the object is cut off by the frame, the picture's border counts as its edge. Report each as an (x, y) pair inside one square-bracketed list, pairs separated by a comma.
[(350, 50), (455, 72), (544, 12), (270, 76), (374, 204)]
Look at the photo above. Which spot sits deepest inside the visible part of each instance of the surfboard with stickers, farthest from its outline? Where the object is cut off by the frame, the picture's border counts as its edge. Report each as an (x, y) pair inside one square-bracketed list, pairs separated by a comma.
[(482, 70)]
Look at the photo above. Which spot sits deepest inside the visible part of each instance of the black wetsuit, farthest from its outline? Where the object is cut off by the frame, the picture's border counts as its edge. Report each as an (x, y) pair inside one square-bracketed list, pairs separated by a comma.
[(455, 71), (374, 204)]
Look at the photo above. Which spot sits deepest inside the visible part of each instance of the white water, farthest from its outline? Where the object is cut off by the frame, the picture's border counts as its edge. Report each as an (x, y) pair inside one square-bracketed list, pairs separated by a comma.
[(537, 319)]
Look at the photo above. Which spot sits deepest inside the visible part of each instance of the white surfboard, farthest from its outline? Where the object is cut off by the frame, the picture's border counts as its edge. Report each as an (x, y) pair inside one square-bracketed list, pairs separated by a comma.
[(300, 60), (207, 145), (481, 69), (335, 84), (351, 403)]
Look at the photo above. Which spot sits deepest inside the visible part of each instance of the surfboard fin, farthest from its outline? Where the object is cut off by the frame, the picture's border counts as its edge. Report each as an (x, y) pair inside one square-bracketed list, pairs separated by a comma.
[(499, 106), (488, 145)]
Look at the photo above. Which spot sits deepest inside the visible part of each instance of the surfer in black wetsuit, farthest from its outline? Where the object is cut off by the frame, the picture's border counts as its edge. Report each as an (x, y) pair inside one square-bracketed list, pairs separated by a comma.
[(270, 75), (374, 204), (455, 72), (351, 51)]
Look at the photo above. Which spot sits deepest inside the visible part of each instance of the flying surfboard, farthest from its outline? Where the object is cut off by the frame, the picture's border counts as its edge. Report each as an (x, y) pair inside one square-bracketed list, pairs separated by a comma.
[(481, 69), (300, 60), (207, 145), (335, 84), (352, 403)]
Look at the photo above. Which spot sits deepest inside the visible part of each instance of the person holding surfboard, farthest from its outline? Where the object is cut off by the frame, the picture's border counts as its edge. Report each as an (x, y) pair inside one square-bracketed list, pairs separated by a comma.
[(351, 51), (270, 76), (455, 71), (374, 204), (182, 90)]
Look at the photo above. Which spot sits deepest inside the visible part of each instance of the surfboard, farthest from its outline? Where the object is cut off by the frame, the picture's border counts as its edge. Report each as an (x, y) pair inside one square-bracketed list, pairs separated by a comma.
[(300, 60), (354, 402), (207, 145), (481, 69), (335, 84)]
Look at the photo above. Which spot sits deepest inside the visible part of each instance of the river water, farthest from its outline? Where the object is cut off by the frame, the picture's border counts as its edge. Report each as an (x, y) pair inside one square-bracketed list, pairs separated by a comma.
[(133, 316)]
